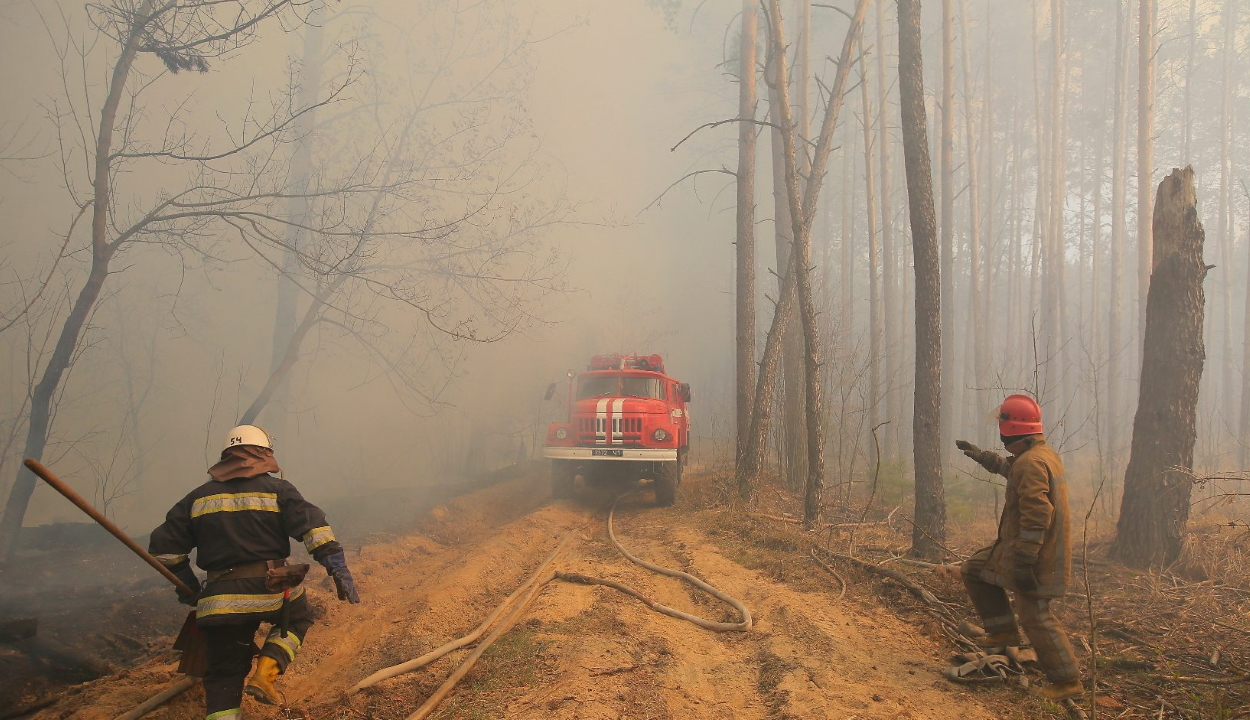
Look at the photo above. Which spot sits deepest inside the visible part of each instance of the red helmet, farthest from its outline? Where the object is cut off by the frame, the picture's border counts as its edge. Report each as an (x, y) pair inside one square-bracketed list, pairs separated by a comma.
[(1019, 415)]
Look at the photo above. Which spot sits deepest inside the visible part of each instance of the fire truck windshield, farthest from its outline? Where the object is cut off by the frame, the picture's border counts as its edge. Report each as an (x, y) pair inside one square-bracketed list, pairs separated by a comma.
[(642, 387), (597, 386), (615, 386)]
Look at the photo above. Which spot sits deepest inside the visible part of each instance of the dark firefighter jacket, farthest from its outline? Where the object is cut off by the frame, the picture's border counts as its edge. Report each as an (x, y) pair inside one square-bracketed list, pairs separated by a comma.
[(234, 523), (1035, 523)]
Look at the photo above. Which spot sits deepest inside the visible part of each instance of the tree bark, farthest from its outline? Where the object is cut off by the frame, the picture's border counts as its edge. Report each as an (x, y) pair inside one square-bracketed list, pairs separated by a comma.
[(1244, 453), (1155, 506), (102, 252), (976, 322), (874, 263), (745, 247), (790, 384), (1187, 119), (1056, 244), (1147, 11), (796, 286), (947, 220), (890, 329), (1224, 394), (1115, 284), (930, 516)]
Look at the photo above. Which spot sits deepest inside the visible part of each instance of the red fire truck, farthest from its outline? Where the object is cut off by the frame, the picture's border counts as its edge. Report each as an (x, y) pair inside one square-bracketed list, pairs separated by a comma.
[(628, 420)]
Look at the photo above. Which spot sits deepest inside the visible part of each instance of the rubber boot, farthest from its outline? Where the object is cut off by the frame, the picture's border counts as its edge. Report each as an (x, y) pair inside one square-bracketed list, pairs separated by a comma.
[(260, 683), (1062, 691), (1008, 638)]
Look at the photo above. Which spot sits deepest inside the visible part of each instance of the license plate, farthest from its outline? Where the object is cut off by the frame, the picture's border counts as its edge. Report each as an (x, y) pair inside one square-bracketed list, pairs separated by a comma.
[(607, 453)]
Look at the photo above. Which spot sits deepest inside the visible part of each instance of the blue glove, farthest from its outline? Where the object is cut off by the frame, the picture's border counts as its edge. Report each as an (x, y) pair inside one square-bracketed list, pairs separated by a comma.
[(336, 566), (187, 575)]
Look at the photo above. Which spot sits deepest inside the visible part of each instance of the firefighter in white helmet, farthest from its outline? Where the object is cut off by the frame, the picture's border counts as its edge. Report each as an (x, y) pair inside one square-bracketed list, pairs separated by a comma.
[(241, 522)]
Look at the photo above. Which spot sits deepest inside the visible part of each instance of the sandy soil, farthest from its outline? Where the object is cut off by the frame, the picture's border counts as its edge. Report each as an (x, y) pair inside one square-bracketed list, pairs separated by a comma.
[(582, 652)]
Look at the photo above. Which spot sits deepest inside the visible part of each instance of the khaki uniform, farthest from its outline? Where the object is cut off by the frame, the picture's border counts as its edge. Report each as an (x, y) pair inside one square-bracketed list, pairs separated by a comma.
[(1034, 530)]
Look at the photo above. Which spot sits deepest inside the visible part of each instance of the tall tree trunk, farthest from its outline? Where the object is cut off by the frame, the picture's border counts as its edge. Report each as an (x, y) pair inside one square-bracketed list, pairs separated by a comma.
[(1229, 88), (1244, 453), (1039, 290), (929, 531), (947, 219), (985, 349), (1147, 11), (1015, 267), (874, 263), (794, 443), (299, 206), (745, 247), (801, 206), (976, 322), (1187, 120), (1095, 294), (847, 246), (1119, 211), (1055, 242), (891, 330), (1155, 507), (43, 396), (790, 385)]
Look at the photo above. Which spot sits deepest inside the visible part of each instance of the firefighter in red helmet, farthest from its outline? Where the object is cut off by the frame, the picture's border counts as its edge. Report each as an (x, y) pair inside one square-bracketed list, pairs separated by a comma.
[(1032, 555)]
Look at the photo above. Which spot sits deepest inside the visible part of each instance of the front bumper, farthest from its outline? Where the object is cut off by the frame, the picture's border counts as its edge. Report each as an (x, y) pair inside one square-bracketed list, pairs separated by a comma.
[(626, 454)]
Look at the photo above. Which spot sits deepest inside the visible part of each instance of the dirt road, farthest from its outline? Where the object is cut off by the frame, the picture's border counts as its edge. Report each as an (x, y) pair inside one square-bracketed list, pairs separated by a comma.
[(584, 652)]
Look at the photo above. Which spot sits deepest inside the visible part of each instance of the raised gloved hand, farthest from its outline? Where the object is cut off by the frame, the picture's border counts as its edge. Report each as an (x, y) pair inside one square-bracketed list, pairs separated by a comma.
[(969, 449), (187, 575), (1024, 574), (336, 565)]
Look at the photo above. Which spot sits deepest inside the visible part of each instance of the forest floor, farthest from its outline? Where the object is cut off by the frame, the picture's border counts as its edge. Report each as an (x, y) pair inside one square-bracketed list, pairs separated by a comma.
[(592, 652)]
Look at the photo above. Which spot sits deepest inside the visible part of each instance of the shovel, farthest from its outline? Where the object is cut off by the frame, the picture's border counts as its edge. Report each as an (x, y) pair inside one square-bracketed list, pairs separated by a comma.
[(190, 640)]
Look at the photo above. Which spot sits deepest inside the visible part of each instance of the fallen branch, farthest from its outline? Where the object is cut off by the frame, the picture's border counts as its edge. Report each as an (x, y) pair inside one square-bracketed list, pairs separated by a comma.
[(1233, 680), (158, 699), (829, 569)]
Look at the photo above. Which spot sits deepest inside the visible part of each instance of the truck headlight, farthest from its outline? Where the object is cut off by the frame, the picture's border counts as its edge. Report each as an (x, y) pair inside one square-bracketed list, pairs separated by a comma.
[(660, 434), (561, 433)]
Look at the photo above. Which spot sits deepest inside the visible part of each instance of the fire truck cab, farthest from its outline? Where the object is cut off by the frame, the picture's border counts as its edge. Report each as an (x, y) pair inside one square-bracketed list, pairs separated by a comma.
[(627, 421)]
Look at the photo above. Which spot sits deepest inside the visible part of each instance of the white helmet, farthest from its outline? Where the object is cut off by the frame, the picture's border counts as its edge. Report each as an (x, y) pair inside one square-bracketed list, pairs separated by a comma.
[(248, 435)]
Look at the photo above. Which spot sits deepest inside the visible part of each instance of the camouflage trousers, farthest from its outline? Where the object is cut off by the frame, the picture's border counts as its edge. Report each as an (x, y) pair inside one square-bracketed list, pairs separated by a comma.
[(1036, 618)]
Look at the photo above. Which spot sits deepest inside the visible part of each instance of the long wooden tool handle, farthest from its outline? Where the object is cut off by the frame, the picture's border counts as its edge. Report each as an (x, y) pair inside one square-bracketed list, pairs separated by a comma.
[(59, 485)]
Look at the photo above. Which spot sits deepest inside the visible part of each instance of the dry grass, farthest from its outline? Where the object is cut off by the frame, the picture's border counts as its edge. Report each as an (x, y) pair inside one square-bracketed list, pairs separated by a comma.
[(1172, 643)]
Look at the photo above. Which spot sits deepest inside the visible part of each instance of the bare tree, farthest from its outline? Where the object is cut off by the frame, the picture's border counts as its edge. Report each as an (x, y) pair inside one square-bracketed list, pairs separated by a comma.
[(469, 261), (802, 204), (929, 531), (181, 36), (745, 247), (1119, 205), (891, 323), (1155, 507), (873, 400), (947, 220), (1147, 12)]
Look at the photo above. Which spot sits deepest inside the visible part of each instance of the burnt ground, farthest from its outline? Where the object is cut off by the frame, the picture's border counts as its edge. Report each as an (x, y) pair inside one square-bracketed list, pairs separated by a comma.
[(1171, 643), (101, 609)]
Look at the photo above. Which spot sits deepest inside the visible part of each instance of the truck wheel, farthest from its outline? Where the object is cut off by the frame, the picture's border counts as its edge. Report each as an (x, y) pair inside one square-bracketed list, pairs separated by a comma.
[(667, 478), (561, 478)]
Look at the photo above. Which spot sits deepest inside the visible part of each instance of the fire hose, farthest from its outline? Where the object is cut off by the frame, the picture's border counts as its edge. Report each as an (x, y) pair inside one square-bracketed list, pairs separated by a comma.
[(530, 589)]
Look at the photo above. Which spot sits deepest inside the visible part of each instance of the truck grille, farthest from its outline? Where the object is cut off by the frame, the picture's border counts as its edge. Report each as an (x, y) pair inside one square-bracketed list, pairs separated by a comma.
[(591, 431)]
